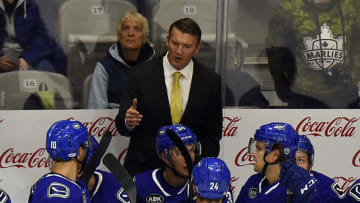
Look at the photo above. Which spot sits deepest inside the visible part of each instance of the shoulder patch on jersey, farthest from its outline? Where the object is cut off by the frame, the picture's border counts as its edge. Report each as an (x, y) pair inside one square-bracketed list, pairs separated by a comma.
[(58, 190), (3, 196), (338, 191), (354, 192), (253, 192), (154, 198), (122, 196)]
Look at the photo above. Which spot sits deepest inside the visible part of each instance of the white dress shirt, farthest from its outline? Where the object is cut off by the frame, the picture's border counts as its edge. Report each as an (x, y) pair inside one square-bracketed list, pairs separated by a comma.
[(185, 79)]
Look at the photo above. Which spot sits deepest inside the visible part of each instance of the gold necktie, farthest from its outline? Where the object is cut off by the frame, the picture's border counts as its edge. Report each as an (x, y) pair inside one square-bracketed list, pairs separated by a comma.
[(176, 99)]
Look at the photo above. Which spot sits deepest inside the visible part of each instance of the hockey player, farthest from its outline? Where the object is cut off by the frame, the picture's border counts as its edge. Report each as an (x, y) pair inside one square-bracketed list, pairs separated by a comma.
[(4, 198), (327, 190), (309, 186), (168, 184), (211, 181), (103, 186), (272, 144), (67, 143)]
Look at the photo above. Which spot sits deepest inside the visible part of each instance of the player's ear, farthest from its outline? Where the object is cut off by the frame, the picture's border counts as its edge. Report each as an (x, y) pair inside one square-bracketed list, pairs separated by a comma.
[(81, 153), (274, 155)]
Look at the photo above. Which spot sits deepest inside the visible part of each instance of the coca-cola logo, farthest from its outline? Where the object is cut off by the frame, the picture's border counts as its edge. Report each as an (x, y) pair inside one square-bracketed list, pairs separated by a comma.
[(344, 183), (38, 159), (243, 158), (230, 129), (338, 127), (98, 127)]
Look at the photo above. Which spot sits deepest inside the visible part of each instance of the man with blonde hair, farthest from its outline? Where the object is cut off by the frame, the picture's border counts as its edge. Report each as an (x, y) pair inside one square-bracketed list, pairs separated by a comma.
[(111, 71)]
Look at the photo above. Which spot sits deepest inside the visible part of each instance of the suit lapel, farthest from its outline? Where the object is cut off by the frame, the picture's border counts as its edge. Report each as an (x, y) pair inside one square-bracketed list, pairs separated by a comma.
[(194, 88), (160, 90)]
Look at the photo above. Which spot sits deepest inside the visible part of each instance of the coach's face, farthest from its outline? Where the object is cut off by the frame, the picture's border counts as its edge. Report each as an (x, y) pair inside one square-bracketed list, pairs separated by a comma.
[(181, 48)]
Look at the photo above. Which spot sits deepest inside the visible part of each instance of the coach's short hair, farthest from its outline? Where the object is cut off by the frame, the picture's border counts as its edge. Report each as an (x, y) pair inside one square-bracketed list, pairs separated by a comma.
[(187, 25)]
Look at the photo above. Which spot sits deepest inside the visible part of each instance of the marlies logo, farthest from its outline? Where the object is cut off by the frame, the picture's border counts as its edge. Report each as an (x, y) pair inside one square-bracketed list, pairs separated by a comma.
[(325, 51)]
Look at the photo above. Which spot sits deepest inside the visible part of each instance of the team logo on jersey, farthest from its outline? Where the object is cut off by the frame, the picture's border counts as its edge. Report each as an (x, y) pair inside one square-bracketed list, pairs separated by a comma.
[(338, 191), (325, 51), (3, 197), (58, 190), (122, 196), (154, 198), (253, 193), (355, 192)]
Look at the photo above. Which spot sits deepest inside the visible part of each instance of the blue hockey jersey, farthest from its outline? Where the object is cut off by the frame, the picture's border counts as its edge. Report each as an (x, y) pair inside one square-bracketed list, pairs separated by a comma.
[(55, 188), (151, 187), (4, 198), (256, 190), (107, 189)]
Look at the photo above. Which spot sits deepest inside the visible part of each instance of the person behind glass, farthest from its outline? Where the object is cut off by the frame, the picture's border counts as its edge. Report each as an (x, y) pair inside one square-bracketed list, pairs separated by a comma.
[(272, 144), (4, 197), (67, 143), (327, 190), (170, 182), (211, 181), (314, 54), (171, 89), (111, 71), (24, 41)]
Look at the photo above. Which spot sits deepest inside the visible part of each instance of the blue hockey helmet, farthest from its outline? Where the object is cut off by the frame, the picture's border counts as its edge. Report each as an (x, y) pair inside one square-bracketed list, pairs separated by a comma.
[(64, 139), (164, 143), (306, 146), (212, 178), (92, 148), (278, 133)]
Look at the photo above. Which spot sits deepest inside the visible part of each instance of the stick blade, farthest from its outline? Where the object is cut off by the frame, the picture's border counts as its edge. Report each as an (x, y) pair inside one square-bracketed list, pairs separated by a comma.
[(122, 175)]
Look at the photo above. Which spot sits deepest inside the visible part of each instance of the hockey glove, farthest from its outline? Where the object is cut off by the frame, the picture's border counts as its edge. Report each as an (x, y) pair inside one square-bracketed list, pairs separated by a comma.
[(297, 180)]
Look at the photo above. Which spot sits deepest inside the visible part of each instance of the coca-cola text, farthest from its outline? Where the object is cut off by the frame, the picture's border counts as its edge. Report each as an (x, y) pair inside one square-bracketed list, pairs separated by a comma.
[(339, 126), (230, 130), (37, 159), (243, 158)]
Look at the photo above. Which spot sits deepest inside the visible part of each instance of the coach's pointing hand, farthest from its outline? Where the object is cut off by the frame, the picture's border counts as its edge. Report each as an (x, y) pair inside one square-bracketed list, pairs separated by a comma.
[(133, 117)]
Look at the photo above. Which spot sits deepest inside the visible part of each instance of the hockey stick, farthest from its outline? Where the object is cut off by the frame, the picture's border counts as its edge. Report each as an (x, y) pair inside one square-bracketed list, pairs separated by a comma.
[(121, 175), (96, 158), (180, 145)]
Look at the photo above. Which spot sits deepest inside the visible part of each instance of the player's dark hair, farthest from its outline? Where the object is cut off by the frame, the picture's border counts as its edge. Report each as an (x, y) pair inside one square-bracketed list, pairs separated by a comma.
[(281, 149)]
